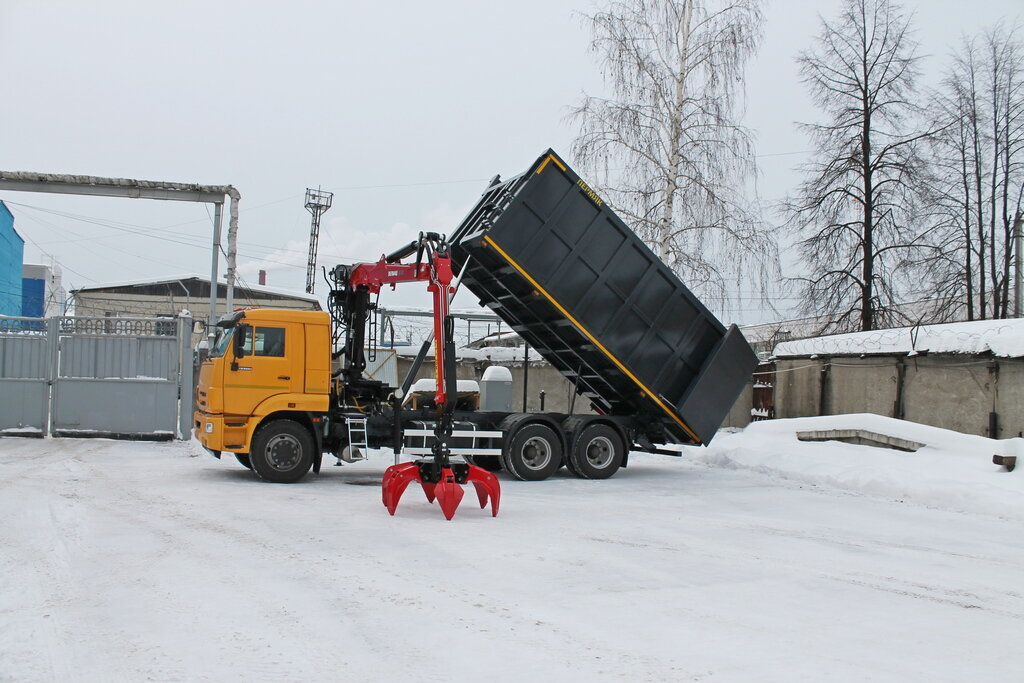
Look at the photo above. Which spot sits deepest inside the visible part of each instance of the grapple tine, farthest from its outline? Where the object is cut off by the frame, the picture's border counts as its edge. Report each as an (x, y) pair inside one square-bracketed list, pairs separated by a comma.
[(389, 476), (481, 494), (486, 486), (396, 479), (385, 481), (449, 493), (429, 490)]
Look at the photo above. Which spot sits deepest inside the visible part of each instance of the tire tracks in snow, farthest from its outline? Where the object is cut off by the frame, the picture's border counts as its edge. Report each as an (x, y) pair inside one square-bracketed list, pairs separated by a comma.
[(995, 602)]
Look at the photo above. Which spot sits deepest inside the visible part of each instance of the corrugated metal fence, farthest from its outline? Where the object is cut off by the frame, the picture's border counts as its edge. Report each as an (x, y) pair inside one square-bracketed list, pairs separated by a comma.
[(119, 377)]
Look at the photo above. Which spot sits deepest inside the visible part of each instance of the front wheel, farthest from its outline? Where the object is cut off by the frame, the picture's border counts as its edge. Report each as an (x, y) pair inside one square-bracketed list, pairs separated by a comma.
[(533, 453), (282, 451), (597, 452)]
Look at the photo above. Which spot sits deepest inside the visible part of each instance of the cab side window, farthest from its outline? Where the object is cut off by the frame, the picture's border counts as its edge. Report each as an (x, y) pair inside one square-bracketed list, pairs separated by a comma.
[(266, 341)]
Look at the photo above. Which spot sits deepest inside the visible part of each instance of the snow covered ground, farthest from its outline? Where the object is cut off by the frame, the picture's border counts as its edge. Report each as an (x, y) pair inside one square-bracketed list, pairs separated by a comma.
[(761, 558)]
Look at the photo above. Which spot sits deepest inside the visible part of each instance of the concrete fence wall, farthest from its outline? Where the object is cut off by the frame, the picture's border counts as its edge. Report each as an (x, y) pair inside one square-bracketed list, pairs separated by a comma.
[(970, 394), (740, 413)]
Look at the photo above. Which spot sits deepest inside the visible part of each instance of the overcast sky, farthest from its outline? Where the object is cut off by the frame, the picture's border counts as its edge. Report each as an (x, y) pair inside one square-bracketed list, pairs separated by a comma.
[(402, 109)]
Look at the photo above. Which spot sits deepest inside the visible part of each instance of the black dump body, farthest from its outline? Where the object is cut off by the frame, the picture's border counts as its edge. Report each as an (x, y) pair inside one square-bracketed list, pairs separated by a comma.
[(549, 257)]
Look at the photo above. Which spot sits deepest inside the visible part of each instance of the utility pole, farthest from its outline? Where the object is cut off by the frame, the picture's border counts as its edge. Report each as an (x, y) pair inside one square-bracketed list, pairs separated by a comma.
[(317, 203), (1017, 263)]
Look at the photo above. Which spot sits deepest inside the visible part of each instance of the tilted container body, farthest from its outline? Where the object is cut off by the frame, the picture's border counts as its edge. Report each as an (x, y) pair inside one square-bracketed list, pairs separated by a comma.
[(549, 257)]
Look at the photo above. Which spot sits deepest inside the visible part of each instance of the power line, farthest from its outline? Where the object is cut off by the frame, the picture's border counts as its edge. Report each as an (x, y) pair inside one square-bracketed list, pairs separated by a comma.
[(196, 241)]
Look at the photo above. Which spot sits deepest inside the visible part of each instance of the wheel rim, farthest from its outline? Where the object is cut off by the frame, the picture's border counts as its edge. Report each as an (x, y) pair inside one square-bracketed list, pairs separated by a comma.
[(600, 452), (283, 452), (536, 453)]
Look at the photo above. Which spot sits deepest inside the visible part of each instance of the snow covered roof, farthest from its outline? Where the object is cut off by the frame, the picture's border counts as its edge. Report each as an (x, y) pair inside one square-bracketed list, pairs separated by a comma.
[(192, 276), (1000, 337)]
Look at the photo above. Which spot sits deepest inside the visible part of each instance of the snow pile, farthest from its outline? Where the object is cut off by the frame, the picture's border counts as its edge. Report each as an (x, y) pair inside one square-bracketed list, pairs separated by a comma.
[(953, 471), (1001, 337)]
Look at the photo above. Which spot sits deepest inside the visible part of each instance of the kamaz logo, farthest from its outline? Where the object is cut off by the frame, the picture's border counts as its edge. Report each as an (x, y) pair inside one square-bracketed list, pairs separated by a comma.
[(394, 273)]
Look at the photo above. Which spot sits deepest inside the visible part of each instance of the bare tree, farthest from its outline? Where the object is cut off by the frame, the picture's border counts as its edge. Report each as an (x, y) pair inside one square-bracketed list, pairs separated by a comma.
[(667, 149), (855, 209), (976, 177), (948, 268)]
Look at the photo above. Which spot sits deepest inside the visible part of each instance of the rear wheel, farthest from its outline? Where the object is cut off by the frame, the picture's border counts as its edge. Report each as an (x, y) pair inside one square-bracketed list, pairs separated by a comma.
[(597, 452), (282, 451), (243, 458), (533, 453)]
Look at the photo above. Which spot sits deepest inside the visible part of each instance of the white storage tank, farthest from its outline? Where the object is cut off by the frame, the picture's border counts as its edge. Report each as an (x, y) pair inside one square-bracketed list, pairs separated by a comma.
[(496, 389)]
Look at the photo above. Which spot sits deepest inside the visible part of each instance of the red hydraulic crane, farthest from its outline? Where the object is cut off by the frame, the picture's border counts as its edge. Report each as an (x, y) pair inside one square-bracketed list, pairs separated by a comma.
[(440, 478)]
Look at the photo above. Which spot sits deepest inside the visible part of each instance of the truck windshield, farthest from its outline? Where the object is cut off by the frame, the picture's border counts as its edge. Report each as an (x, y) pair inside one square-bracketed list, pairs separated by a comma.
[(223, 340)]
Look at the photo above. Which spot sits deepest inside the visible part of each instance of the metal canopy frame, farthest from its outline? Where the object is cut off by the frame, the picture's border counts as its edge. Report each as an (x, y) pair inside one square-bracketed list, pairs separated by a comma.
[(24, 181)]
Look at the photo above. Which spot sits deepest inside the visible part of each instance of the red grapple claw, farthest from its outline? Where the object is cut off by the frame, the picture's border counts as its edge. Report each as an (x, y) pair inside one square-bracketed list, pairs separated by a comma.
[(447, 491)]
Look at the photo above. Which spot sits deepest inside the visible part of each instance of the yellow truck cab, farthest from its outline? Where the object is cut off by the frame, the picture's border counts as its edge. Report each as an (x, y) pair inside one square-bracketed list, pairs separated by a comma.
[(266, 383)]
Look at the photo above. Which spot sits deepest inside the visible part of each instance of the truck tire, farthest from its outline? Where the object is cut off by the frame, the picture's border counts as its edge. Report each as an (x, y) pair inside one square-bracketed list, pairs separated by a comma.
[(282, 451), (243, 459), (533, 453), (597, 452)]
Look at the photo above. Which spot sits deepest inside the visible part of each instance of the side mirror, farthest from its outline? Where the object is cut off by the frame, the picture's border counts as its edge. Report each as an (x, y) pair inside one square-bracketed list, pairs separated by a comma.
[(239, 340)]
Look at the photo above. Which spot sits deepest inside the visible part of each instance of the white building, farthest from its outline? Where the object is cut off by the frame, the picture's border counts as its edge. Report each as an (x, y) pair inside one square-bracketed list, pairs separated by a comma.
[(42, 292)]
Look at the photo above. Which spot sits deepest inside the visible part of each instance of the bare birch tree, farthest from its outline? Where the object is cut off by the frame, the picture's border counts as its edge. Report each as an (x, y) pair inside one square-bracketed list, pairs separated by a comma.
[(976, 177), (855, 209), (667, 148)]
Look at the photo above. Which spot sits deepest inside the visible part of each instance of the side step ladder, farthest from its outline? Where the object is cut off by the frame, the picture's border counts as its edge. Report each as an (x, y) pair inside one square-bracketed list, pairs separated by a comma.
[(357, 445)]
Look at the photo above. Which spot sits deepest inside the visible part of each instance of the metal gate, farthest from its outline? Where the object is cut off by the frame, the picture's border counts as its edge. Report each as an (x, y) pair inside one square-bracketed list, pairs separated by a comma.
[(24, 375), (117, 377)]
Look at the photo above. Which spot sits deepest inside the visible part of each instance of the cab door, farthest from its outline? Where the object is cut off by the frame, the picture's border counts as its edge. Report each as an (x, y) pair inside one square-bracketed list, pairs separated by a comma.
[(267, 361)]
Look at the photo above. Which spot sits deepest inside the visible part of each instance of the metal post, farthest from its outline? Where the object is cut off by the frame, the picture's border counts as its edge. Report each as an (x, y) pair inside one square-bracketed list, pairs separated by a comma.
[(211, 330), (1017, 262), (232, 246), (53, 373), (526, 373), (186, 386)]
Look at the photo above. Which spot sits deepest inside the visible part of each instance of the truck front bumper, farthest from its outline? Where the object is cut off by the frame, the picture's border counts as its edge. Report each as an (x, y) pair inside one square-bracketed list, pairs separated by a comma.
[(209, 431), (217, 435)]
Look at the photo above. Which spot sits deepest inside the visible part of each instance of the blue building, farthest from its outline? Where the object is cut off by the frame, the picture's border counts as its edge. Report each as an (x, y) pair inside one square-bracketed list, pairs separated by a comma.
[(12, 253), (33, 291)]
